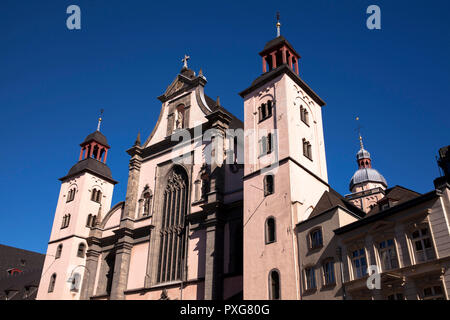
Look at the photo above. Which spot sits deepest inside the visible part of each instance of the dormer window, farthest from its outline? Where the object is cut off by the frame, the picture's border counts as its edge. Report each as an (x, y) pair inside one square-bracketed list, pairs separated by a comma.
[(265, 110)]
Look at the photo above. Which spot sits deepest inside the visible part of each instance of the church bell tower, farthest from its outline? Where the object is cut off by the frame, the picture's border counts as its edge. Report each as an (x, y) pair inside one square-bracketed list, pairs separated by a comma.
[(285, 170), (85, 194)]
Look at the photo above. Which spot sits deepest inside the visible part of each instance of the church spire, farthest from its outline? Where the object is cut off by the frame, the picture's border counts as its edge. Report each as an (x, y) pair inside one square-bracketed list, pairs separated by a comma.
[(278, 24), (100, 119)]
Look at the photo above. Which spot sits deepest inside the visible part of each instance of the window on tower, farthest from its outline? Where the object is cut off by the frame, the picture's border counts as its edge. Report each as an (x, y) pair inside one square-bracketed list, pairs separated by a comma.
[(266, 144), (58, 251), (274, 285), (81, 249), (91, 220), (307, 149), (71, 195), (51, 285), (268, 185), (304, 115), (96, 195), (65, 221), (270, 230), (265, 110)]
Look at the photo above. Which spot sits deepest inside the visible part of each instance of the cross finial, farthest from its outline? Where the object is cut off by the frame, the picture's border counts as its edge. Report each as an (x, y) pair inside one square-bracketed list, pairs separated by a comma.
[(278, 24), (185, 60), (100, 119), (359, 134)]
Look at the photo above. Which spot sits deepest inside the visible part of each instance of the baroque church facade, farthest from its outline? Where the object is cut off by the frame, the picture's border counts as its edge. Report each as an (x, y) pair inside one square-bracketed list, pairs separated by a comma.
[(221, 209)]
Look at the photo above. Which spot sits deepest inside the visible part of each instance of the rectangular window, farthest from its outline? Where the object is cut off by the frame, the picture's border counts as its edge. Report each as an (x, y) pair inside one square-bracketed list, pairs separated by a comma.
[(388, 254), (316, 239), (423, 247), (433, 293), (396, 296), (359, 263), (328, 273), (310, 278)]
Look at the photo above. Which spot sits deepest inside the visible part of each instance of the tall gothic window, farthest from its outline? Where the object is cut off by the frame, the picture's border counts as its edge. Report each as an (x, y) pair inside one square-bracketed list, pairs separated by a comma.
[(172, 226)]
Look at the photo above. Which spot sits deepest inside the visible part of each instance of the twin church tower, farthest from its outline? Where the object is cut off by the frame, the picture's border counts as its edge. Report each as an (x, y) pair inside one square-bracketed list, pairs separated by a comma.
[(199, 229)]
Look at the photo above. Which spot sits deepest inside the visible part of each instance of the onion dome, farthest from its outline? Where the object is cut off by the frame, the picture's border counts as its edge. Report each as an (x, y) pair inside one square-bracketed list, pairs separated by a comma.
[(364, 175)]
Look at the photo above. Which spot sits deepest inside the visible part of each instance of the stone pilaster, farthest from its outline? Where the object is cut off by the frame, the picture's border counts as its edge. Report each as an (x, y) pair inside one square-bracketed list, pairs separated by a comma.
[(214, 225), (122, 263), (92, 257), (131, 197)]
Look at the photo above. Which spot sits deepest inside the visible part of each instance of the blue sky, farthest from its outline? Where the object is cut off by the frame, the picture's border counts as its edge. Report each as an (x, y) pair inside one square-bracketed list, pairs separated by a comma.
[(53, 82)]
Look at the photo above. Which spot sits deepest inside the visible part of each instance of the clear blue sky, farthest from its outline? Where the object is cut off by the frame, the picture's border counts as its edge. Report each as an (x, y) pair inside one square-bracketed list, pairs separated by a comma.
[(54, 81)]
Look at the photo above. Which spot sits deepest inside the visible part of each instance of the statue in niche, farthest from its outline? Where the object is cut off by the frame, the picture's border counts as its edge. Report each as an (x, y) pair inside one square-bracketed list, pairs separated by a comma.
[(180, 118), (204, 176), (146, 201)]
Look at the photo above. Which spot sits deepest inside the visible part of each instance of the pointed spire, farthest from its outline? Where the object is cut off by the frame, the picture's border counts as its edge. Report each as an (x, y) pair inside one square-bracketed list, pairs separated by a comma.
[(218, 101), (100, 119), (278, 24), (138, 139), (200, 73), (359, 134)]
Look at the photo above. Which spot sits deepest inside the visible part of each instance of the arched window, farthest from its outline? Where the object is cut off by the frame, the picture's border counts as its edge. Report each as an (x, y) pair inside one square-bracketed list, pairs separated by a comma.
[(94, 195), (268, 185), (81, 249), (75, 284), (307, 150), (172, 233), (99, 196), (65, 221), (89, 220), (51, 285), (71, 195), (58, 251), (270, 230), (265, 110), (274, 285), (304, 115)]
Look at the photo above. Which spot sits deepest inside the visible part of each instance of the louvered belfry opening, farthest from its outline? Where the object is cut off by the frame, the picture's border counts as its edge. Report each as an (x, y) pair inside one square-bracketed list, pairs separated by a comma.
[(172, 234)]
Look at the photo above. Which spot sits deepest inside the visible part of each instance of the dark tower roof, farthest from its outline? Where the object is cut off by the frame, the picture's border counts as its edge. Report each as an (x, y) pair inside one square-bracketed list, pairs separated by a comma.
[(96, 136), (93, 166)]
